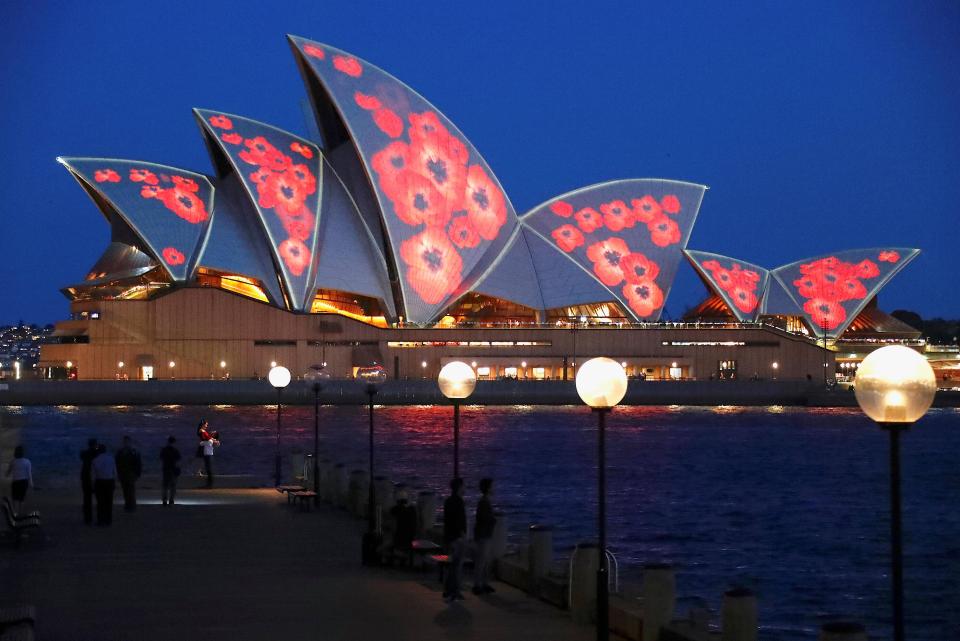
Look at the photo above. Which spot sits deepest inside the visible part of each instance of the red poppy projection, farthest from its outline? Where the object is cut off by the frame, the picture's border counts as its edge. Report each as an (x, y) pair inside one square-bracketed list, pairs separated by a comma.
[(627, 234), (169, 209), (282, 175), (445, 214), (832, 289), (741, 285)]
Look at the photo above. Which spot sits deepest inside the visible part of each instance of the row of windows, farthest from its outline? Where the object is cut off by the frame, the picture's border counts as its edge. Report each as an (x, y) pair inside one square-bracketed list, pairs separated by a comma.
[(406, 344)]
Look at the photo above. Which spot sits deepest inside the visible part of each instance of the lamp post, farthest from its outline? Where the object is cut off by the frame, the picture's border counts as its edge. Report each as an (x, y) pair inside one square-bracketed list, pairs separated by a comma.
[(279, 377), (457, 380), (601, 384), (317, 376), (895, 387), (373, 377)]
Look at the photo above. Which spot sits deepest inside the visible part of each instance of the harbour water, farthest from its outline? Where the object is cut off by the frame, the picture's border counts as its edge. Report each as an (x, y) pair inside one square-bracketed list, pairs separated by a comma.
[(790, 502)]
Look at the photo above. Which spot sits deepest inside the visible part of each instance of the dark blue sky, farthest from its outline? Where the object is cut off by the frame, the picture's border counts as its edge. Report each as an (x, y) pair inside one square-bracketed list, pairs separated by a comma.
[(818, 126)]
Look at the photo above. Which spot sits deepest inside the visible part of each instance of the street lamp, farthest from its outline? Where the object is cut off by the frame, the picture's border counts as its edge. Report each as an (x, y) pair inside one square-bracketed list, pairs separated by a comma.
[(457, 380), (373, 376), (601, 384), (317, 376), (279, 377), (895, 387)]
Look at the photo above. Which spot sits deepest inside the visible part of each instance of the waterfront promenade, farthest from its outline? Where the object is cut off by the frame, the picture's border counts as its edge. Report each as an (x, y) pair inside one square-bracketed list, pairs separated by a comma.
[(240, 564)]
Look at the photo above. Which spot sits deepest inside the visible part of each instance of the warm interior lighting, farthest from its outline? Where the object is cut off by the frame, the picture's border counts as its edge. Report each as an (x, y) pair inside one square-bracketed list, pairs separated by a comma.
[(172, 364), (423, 364), (601, 382), (273, 363), (523, 363), (69, 364), (457, 380), (321, 306), (895, 384), (223, 364), (775, 365), (120, 364), (279, 376)]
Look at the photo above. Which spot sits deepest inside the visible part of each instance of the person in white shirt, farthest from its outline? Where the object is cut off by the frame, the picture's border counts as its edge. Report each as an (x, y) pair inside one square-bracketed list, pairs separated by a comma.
[(21, 472), (103, 471), (207, 447)]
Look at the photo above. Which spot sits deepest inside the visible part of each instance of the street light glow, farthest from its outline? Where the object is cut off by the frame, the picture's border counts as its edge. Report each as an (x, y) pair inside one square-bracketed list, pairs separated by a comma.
[(601, 382), (279, 376), (895, 384), (457, 380)]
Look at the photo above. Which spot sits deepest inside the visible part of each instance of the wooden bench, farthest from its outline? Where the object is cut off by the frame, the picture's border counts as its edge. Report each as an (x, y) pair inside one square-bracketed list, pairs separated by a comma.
[(289, 490), (442, 561), (19, 525), (306, 498)]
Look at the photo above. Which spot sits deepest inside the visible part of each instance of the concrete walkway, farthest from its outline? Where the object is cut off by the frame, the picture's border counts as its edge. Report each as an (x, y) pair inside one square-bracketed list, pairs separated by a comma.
[(239, 564)]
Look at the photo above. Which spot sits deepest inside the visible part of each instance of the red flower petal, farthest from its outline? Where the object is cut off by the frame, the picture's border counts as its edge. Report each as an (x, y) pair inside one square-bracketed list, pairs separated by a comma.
[(303, 150), (434, 266), (562, 209), (670, 204), (463, 234), (606, 256), (106, 175), (347, 65), (233, 138), (221, 122), (314, 52), (567, 237), (588, 220), (366, 102), (295, 255), (172, 256), (644, 298), (388, 122)]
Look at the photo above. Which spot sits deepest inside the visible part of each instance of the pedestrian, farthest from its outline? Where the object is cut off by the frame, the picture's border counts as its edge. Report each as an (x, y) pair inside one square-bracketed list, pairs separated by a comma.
[(20, 472), (170, 466), (207, 448), (454, 536), (103, 470), (86, 481), (129, 468), (483, 537), (405, 525)]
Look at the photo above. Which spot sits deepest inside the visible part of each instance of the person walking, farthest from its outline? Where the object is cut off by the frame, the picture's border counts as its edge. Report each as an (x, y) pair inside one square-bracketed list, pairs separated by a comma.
[(129, 468), (170, 467), (483, 537), (86, 481), (20, 472), (454, 536), (207, 447), (103, 470)]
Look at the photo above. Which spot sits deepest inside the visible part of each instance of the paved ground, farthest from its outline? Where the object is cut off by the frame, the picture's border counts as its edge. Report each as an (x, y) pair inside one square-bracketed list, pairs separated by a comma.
[(239, 564)]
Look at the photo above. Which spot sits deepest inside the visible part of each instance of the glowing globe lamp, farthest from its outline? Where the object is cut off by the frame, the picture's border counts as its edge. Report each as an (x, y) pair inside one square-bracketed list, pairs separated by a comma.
[(457, 380), (601, 382), (279, 376), (895, 384)]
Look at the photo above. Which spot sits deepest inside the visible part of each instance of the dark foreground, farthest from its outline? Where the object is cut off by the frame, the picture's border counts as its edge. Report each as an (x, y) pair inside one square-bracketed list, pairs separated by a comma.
[(239, 564)]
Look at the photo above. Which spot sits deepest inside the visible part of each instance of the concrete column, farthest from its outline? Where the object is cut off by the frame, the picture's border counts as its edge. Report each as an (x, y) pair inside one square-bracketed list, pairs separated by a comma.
[(659, 598), (326, 476), (357, 493), (541, 552), (383, 493), (426, 512), (583, 582), (738, 616), (842, 631)]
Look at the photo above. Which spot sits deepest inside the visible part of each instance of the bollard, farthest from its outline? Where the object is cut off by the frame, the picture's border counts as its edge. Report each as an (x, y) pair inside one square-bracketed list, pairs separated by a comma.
[(383, 493), (426, 513), (499, 545), (326, 480), (541, 553), (583, 582), (357, 493), (659, 598), (738, 616), (338, 485), (842, 631)]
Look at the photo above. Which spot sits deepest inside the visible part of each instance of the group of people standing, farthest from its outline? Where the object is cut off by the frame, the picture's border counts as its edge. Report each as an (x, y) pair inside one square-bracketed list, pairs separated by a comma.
[(455, 538)]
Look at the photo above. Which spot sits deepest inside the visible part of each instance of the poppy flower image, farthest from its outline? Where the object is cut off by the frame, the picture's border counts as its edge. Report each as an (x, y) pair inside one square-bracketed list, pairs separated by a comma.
[(172, 256), (637, 268), (664, 231), (606, 256), (828, 314), (866, 268), (644, 298), (295, 255), (485, 204), (232, 138), (443, 159), (188, 184), (646, 209), (743, 298), (364, 101), (299, 227), (150, 191), (221, 122), (106, 175), (390, 163), (670, 204), (183, 202), (562, 209), (463, 234), (348, 65), (303, 150), (287, 190), (616, 215), (433, 265), (567, 237), (314, 52), (144, 176), (588, 220), (888, 256), (416, 201), (388, 122), (425, 125), (259, 151)]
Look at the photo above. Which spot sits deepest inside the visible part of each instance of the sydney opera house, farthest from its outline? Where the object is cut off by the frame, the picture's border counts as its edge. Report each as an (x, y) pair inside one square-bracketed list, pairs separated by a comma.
[(385, 238)]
